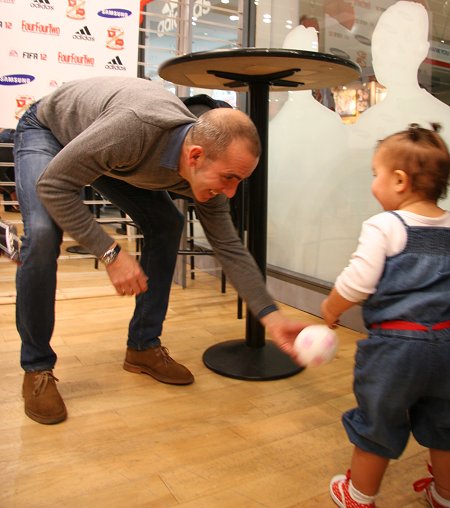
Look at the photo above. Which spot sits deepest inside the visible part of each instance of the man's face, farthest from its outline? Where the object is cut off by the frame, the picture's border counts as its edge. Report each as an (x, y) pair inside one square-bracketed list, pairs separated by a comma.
[(208, 178)]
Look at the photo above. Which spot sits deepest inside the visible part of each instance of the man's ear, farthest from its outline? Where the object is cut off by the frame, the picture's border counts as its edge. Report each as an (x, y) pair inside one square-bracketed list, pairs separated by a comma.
[(401, 180), (195, 152)]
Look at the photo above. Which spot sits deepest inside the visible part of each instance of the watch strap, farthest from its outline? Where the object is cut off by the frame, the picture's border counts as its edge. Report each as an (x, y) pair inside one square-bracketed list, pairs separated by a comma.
[(110, 255)]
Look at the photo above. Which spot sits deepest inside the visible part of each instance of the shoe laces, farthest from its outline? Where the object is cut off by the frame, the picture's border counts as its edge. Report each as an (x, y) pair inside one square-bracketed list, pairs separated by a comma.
[(346, 482), (166, 356), (41, 381), (424, 483)]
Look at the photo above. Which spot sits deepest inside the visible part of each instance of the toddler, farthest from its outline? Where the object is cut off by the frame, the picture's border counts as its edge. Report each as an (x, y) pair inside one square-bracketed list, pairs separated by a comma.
[(401, 271)]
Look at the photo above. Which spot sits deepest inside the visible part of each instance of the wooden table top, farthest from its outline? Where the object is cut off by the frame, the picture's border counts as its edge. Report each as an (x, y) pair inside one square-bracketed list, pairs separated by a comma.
[(310, 69)]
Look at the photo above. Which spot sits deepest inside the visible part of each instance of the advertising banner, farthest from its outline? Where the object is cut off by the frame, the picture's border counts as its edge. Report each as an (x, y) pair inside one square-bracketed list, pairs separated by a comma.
[(44, 43)]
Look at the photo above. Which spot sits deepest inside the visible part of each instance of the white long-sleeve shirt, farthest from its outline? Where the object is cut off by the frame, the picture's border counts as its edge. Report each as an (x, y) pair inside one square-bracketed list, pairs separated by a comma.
[(382, 235)]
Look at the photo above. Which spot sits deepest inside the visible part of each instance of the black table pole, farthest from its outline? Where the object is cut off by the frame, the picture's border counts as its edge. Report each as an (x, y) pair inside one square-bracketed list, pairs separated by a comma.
[(254, 358), (257, 201)]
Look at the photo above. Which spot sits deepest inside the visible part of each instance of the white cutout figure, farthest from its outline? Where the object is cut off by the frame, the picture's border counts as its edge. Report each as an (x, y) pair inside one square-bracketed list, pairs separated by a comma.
[(341, 199), (306, 141), (399, 45)]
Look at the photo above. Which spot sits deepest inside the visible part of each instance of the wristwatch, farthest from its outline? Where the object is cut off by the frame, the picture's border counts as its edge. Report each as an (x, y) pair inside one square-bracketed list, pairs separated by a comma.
[(110, 255)]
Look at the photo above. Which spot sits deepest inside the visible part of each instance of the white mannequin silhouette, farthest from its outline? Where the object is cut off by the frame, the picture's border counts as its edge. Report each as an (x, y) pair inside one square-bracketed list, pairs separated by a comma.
[(306, 141), (399, 45)]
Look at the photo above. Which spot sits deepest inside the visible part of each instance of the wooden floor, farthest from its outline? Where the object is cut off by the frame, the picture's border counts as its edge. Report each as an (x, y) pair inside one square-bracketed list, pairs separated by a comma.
[(131, 442)]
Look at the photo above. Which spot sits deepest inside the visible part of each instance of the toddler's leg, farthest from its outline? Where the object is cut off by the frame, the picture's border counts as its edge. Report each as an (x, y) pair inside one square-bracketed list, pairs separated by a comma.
[(440, 461), (360, 486), (367, 471)]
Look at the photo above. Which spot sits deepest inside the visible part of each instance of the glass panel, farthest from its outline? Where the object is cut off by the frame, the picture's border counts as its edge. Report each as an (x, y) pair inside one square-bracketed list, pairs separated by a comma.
[(159, 35), (321, 142), (172, 28), (217, 28)]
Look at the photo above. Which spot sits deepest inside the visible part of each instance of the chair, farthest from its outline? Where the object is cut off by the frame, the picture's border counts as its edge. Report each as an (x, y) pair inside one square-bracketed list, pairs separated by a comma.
[(7, 181), (191, 244), (199, 104)]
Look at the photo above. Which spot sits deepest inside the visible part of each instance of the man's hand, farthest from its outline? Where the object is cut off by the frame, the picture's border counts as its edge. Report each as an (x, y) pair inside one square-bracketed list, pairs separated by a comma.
[(126, 275), (283, 331)]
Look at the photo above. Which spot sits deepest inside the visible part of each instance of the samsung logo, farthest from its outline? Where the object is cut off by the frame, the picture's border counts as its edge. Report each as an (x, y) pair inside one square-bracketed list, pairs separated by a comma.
[(340, 53), (16, 79), (114, 13)]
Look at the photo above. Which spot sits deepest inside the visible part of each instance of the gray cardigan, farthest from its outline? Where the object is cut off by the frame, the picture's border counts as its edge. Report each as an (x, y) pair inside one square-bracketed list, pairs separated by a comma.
[(120, 127)]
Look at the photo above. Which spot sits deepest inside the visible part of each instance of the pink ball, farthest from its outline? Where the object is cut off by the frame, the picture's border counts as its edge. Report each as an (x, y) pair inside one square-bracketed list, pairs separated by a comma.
[(316, 345)]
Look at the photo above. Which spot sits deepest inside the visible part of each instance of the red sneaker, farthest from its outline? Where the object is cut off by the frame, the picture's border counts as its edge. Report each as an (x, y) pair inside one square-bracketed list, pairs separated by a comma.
[(339, 490), (425, 484)]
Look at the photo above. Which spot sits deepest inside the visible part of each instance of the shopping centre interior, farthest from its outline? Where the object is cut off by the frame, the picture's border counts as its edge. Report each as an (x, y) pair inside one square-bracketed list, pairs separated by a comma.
[(225, 442)]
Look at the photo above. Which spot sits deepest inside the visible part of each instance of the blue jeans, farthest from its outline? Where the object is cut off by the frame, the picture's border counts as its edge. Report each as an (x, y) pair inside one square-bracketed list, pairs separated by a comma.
[(153, 211)]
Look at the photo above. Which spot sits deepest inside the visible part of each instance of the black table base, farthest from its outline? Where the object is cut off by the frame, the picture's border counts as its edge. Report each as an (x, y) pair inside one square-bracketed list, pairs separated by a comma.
[(235, 359)]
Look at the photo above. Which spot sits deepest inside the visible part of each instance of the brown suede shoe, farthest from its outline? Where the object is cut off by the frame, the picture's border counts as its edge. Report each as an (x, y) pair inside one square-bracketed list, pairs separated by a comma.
[(43, 403), (157, 363)]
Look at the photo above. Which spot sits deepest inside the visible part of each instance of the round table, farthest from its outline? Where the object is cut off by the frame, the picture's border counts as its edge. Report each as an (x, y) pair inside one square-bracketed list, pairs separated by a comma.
[(257, 71)]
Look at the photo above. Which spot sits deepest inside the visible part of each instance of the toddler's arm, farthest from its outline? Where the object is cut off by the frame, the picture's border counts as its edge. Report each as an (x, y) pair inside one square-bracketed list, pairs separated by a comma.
[(333, 306)]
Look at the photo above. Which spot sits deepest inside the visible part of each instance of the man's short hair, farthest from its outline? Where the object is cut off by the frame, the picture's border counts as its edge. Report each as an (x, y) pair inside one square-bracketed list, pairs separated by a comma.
[(216, 129)]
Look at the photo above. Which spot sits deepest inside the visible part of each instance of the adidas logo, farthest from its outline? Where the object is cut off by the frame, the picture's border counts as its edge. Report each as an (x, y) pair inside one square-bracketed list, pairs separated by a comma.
[(42, 4), (116, 64), (83, 34)]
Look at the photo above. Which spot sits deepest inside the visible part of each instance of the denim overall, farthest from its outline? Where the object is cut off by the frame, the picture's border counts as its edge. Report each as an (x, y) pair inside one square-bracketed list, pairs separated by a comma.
[(402, 370)]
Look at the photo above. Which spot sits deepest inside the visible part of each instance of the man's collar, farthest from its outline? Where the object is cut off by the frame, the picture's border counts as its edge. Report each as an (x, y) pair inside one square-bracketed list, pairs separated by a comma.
[(171, 155)]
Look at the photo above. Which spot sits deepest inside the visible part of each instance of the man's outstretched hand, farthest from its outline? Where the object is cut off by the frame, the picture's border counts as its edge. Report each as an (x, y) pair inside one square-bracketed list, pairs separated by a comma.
[(283, 331)]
